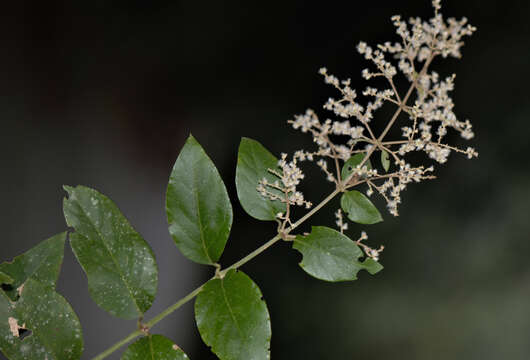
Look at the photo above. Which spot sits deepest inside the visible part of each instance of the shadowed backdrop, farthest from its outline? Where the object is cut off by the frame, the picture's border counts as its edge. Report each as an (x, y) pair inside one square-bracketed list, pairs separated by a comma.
[(105, 93)]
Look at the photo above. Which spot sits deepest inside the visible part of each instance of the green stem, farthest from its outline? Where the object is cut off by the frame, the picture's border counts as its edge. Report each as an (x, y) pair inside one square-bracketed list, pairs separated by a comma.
[(195, 292), (118, 345), (174, 307), (252, 255), (315, 209)]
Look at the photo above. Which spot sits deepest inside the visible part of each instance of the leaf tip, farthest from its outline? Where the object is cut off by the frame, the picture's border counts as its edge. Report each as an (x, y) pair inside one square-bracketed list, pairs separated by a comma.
[(379, 219), (191, 138), (246, 140)]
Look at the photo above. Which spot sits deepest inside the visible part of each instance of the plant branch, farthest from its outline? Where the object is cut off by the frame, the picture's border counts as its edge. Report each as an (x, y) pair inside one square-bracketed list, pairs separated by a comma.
[(196, 292), (272, 241), (118, 345)]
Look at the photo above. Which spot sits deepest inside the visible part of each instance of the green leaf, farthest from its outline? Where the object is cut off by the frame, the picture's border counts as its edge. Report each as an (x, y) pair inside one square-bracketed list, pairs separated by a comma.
[(197, 206), (385, 160), (54, 329), (253, 160), (352, 163), (359, 208), (5, 279), (120, 266), (331, 256), (41, 263), (155, 347), (372, 266), (233, 319)]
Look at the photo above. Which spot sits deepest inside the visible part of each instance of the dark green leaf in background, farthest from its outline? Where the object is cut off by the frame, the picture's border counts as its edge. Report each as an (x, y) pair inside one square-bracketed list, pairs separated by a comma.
[(385, 160), (154, 347), (352, 163), (120, 266), (41, 263), (359, 208), (253, 160), (197, 205), (233, 318), (54, 329), (331, 256)]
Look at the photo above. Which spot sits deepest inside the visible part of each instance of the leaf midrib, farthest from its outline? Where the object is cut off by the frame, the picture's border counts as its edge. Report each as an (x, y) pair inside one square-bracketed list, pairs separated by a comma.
[(314, 245), (120, 273), (197, 202), (151, 347), (232, 315)]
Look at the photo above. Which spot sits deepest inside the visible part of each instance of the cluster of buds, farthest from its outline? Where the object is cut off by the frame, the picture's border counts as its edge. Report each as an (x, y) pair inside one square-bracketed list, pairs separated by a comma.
[(284, 189)]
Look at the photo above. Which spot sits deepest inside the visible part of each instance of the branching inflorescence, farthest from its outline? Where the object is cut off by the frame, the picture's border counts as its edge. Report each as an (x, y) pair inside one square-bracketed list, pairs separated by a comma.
[(230, 313), (427, 105)]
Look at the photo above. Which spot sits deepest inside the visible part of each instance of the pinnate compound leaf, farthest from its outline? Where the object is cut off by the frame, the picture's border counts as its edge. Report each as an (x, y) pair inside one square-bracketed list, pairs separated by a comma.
[(41, 263), (120, 266), (359, 208), (352, 163), (385, 160), (197, 206), (155, 347), (253, 162), (331, 256), (233, 319), (53, 329)]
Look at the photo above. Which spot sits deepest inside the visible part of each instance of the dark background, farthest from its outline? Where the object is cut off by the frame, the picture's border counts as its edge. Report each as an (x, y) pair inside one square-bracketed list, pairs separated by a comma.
[(104, 94)]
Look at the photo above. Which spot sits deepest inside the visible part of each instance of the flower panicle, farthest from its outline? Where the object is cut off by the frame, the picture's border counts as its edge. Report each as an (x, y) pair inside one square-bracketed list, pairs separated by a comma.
[(425, 113)]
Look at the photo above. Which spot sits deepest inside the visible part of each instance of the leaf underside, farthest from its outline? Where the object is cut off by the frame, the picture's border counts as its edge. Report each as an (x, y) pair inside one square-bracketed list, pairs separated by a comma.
[(331, 256), (233, 319), (120, 266), (197, 206)]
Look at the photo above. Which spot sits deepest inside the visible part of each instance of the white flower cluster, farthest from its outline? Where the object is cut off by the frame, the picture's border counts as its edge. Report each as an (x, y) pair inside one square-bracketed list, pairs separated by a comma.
[(434, 110), (309, 122), (284, 189), (341, 224), (426, 109), (396, 182)]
